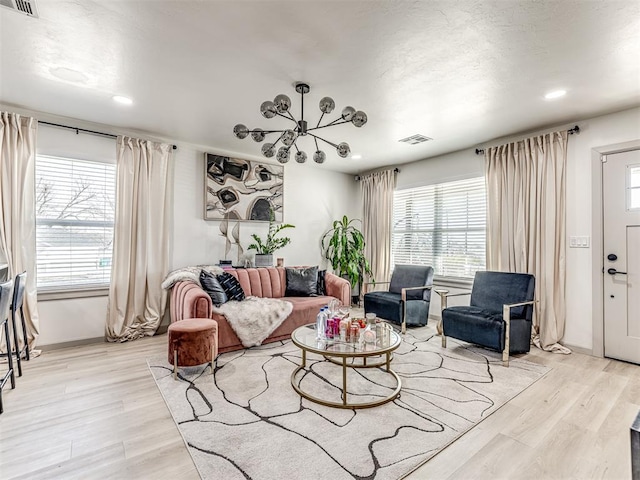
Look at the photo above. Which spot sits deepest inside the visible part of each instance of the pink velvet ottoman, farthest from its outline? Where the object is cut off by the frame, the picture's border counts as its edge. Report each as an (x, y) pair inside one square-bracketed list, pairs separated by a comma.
[(192, 341)]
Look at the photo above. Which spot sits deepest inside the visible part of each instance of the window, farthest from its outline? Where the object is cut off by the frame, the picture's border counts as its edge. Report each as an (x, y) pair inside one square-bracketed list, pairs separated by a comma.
[(75, 208), (441, 225)]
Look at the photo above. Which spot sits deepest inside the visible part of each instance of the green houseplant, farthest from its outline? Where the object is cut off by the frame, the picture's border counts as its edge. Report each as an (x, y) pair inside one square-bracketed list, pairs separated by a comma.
[(343, 246), (265, 248)]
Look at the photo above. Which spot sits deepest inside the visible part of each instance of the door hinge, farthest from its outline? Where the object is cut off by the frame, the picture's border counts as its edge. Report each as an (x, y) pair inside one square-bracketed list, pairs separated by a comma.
[(603, 158)]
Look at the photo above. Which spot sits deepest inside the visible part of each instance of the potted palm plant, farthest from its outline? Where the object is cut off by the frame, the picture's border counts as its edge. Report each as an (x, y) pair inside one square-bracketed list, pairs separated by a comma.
[(343, 246), (265, 248)]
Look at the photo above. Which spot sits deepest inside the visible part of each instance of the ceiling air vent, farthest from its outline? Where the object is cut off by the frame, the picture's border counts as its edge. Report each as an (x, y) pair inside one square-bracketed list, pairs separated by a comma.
[(28, 7), (415, 139)]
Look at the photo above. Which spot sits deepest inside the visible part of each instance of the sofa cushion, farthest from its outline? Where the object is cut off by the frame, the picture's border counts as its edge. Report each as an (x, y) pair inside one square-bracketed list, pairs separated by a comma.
[(211, 285), (231, 286), (301, 282)]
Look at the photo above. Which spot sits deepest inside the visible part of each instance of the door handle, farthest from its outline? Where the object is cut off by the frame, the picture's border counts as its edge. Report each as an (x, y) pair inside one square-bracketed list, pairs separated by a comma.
[(613, 271)]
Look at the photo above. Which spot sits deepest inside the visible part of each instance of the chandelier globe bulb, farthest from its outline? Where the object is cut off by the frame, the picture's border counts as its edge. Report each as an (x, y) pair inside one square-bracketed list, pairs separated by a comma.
[(359, 118), (258, 135), (241, 131), (282, 103), (348, 113), (319, 156), (343, 150), (283, 155), (268, 109), (327, 105), (289, 137), (268, 150)]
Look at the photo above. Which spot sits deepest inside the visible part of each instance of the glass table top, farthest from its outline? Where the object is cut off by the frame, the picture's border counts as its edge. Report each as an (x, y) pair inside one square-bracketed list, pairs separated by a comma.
[(305, 337)]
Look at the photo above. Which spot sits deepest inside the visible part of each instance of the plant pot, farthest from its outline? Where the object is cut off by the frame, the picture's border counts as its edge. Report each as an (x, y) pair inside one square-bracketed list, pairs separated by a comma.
[(264, 260)]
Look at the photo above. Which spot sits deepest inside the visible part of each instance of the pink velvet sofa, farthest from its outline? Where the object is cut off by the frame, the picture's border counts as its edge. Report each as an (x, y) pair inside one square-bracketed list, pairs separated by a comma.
[(189, 300)]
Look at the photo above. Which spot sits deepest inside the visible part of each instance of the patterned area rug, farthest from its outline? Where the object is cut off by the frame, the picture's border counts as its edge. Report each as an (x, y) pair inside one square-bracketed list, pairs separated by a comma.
[(247, 422)]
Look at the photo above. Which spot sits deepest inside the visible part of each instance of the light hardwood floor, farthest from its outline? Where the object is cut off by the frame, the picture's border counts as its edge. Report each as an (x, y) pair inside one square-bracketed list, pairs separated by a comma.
[(94, 412)]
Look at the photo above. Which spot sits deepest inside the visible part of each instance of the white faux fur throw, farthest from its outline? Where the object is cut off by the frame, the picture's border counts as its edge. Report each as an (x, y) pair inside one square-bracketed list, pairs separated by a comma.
[(254, 318), (189, 274)]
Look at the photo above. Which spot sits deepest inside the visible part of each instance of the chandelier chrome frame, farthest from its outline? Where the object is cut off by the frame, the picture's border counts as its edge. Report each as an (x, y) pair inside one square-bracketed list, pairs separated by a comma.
[(281, 106)]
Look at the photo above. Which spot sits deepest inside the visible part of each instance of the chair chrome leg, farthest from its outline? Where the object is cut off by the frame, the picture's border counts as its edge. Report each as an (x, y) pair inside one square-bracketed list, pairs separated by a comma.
[(443, 305), (444, 341), (506, 316)]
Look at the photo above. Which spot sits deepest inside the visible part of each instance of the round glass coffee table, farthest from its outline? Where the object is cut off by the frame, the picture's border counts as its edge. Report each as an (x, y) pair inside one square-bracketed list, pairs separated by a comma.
[(338, 352)]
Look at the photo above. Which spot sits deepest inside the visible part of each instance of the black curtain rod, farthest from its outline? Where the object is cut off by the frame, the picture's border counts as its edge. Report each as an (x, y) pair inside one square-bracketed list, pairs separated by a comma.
[(358, 177), (571, 131), (84, 130)]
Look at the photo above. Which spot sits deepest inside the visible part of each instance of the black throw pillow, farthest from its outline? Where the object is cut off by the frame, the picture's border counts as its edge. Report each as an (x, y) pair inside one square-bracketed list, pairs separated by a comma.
[(231, 286), (211, 285), (301, 282), (321, 287)]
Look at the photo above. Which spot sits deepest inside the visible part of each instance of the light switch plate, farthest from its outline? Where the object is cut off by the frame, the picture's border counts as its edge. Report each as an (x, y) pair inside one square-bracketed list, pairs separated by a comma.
[(579, 241)]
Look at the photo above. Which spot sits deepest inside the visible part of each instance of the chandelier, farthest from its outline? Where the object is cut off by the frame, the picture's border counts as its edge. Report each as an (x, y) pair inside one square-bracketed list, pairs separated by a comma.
[(281, 106)]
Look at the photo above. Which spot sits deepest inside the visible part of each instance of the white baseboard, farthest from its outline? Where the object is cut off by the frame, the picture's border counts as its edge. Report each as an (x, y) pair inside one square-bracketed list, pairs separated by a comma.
[(582, 350)]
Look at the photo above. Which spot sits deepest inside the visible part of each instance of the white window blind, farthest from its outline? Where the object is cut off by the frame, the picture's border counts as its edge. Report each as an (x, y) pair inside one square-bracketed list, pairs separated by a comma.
[(442, 225), (75, 209)]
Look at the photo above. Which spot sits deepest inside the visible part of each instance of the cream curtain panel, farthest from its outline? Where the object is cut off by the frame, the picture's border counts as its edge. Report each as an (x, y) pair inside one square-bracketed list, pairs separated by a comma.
[(17, 212), (142, 239), (526, 185), (377, 200)]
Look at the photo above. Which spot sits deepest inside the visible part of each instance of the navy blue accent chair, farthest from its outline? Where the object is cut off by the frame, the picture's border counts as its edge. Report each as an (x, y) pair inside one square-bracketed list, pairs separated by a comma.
[(484, 322), (407, 301)]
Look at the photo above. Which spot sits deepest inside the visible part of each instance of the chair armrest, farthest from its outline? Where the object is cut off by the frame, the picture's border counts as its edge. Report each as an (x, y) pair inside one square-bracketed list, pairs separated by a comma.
[(513, 305), (506, 309), (445, 293), (404, 291), (364, 285)]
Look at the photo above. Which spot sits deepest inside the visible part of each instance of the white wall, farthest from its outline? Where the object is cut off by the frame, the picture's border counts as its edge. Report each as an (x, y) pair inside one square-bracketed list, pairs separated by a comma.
[(71, 320), (445, 168), (595, 133), (313, 198)]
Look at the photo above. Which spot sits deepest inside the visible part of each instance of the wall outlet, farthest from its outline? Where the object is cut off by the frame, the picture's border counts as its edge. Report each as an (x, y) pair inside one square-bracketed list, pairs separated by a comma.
[(576, 241)]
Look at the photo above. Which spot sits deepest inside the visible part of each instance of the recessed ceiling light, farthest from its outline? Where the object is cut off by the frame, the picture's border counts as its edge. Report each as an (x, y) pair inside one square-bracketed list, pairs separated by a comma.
[(123, 100), (555, 94), (356, 156)]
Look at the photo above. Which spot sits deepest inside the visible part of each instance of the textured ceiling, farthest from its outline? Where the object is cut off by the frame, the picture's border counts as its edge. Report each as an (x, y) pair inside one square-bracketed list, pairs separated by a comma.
[(460, 72)]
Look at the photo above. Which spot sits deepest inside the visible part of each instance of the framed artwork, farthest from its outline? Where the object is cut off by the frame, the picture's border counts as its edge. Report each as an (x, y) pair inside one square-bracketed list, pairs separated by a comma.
[(237, 189)]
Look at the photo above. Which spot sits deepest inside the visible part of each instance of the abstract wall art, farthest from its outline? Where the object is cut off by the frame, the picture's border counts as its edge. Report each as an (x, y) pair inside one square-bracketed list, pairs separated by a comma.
[(237, 189)]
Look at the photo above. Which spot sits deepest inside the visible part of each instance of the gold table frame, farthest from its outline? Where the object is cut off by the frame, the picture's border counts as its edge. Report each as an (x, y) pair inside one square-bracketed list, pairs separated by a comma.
[(331, 355)]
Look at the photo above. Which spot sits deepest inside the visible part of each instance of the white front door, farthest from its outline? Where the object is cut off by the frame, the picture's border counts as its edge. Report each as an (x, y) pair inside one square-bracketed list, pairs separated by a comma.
[(621, 201)]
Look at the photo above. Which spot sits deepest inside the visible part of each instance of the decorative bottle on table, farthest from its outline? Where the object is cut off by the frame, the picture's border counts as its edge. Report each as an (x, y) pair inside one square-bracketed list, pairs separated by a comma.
[(321, 324)]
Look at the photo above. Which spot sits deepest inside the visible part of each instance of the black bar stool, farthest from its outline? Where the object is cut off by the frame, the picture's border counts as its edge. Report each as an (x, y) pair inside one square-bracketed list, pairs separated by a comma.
[(17, 305), (5, 297)]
